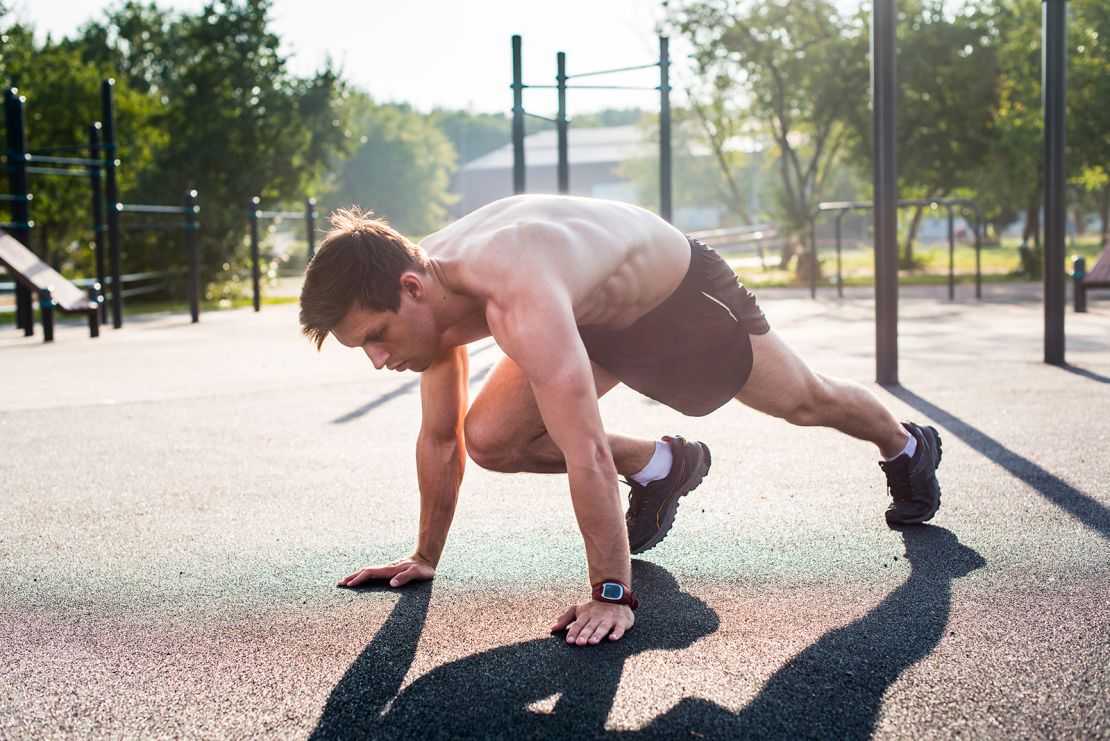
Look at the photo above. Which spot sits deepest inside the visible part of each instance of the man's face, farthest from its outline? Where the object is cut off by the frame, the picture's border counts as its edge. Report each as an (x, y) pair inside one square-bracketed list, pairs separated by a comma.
[(405, 340)]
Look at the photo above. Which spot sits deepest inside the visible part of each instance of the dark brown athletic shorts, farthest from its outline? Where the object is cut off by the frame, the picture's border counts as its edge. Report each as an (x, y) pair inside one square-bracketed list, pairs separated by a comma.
[(692, 352)]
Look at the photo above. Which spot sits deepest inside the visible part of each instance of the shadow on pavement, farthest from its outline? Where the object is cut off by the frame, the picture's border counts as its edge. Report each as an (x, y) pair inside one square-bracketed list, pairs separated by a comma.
[(405, 388), (1085, 373), (544, 688), (835, 688), (1065, 496)]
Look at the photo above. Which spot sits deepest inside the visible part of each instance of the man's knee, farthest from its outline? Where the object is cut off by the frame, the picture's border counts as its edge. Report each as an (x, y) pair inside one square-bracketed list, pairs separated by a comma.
[(493, 444)]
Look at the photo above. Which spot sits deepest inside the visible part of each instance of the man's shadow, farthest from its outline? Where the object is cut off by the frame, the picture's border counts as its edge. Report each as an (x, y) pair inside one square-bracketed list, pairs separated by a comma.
[(834, 687)]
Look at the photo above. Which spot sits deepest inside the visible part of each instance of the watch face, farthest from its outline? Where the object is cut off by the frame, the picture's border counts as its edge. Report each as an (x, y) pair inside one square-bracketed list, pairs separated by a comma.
[(611, 591)]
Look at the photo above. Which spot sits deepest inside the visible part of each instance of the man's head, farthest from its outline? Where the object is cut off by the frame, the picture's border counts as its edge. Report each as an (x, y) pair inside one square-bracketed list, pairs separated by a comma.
[(368, 286)]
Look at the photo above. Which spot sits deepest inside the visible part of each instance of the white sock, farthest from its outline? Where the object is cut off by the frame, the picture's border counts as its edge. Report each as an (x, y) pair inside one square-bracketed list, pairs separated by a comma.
[(658, 467), (910, 449)]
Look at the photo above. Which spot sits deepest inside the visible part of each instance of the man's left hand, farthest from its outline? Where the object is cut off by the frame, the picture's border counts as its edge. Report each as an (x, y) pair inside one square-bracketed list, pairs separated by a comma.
[(591, 621)]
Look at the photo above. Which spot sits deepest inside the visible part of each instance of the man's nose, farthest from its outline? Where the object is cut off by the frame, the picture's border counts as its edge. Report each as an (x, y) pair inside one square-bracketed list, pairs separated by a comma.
[(377, 356)]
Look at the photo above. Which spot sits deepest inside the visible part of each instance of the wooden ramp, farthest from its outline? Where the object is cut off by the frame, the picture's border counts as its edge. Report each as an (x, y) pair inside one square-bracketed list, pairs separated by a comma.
[(53, 289)]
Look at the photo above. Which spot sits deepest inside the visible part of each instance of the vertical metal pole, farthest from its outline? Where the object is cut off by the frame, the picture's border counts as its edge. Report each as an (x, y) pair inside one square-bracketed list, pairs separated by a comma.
[(111, 193), (310, 225), (98, 217), (20, 209), (1054, 76), (256, 273), (665, 185), (951, 253), (192, 243), (1078, 273), (518, 120), (812, 257), (978, 251), (46, 307), (839, 262), (885, 184), (94, 314), (563, 170)]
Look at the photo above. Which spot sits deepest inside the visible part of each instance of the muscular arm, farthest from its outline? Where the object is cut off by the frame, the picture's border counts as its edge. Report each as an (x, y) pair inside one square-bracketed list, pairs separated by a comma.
[(440, 449), (536, 329)]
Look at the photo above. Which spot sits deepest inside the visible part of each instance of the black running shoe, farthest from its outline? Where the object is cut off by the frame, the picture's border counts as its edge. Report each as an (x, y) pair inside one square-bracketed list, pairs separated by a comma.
[(912, 482), (651, 508)]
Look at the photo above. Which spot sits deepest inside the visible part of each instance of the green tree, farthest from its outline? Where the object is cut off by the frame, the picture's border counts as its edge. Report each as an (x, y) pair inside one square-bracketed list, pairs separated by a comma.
[(401, 169), (947, 73), (63, 98), (1088, 103), (237, 122), (799, 68)]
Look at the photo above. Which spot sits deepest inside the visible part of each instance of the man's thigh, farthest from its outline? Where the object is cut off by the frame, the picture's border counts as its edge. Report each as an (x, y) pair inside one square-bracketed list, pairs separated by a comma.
[(780, 382), (506, 399)]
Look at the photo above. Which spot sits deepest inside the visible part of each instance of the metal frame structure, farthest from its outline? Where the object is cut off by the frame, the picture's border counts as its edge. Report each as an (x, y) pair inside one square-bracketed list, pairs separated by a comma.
[(884, 178), (255, 214), (841, 208), (562, 123), (101, 163)]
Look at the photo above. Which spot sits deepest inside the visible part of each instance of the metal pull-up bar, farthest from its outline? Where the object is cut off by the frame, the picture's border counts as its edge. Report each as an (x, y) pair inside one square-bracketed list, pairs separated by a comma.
[(254, 213), (561, 122)]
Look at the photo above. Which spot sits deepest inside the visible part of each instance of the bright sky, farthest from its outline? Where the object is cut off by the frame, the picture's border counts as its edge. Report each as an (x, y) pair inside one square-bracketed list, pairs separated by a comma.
[(449, 53)]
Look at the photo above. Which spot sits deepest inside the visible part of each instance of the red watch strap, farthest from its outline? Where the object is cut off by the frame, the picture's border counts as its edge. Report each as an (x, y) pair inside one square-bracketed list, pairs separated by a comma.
[(628, 597)]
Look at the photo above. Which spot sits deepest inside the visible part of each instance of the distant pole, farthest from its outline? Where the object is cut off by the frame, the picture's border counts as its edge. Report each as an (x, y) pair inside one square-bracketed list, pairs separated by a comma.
[(518, 120), (665, 191), (192, 241), (21, 208), (111, 193), (310, 226), (951, 252), (98, 218), (1054, 81), (256, 273), (563, 170), (885, 185), (839, 260)]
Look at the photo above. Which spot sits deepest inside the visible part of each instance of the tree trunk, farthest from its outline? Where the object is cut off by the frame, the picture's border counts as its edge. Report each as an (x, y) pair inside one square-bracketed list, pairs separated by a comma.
[(1032, 225), (907, 255)]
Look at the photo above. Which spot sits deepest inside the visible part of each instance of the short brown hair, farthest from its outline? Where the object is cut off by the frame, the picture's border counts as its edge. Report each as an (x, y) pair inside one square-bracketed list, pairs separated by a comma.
[(359, 263)]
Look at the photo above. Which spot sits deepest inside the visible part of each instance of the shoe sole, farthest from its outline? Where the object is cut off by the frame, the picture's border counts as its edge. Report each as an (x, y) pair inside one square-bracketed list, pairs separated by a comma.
[(928, 515), (697, 475)]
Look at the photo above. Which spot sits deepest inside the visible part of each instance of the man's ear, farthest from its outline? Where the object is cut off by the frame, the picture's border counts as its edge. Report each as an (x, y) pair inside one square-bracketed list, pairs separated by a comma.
[(412, 285)]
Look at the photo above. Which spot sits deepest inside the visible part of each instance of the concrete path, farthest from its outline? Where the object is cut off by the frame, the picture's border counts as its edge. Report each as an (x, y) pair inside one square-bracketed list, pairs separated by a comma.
[(179, 501)]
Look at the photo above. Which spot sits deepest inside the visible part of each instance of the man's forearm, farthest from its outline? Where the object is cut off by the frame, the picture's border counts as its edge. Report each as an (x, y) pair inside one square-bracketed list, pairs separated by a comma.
[(439, 470), (597, 506)]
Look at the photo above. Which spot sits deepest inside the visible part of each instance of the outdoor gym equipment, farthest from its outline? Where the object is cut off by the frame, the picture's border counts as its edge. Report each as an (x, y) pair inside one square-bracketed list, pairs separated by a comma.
[(841, 208), (101, 149), (309, 216), (562, 124)]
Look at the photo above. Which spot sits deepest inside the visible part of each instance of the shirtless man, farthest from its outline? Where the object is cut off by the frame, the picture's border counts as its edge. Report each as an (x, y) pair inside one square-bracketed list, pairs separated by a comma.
[(580, 294)]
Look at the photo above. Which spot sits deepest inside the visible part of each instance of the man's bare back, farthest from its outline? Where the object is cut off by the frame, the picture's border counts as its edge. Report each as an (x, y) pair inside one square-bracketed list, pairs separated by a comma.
[(615, 261)]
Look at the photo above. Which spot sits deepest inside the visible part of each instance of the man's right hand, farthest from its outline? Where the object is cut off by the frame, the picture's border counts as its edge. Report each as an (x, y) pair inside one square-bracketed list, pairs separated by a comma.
[(399, 572)]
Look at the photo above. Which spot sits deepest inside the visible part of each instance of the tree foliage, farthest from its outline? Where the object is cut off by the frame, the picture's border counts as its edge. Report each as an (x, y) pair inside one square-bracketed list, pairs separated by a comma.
[(798, 68)]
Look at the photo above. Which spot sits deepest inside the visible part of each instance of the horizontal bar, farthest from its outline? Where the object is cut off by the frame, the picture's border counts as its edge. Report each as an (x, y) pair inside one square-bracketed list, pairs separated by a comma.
[(280, 214), (129, 292), (19, 197), (542, 118), (83, 161), (612, 71), (88, 282), (57, 171), (139, 208), (154, 227), (611, 87), (61, 148), (17, 224)]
